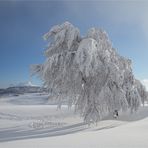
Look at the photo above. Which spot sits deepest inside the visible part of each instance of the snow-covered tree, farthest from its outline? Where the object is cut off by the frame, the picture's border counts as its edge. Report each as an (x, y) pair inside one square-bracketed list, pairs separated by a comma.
[(142, 91), (88, 72)]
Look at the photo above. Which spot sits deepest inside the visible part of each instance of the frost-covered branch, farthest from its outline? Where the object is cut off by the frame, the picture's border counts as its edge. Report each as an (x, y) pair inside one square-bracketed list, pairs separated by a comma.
[(89, 73)]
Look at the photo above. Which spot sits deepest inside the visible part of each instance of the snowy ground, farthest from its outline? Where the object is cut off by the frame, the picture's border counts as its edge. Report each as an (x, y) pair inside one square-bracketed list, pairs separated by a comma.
[(26, 122)]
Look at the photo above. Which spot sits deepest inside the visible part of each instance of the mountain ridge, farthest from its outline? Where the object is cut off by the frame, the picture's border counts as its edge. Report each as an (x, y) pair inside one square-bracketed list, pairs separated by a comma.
[(16, 90)]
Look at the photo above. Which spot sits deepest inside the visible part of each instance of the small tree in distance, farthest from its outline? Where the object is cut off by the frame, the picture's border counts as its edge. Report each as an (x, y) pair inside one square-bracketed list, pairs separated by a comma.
[(88, 72)]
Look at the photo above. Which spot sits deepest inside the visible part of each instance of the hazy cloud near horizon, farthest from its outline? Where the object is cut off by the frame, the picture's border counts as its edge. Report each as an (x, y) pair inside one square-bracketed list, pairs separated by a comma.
[(116, 12)]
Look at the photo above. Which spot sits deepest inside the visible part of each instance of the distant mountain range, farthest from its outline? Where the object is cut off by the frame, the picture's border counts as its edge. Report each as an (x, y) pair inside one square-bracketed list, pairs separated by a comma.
[(28, 83), (21, 89)]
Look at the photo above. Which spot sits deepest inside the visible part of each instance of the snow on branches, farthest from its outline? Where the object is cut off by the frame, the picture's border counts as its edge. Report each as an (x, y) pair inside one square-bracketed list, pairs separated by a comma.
[(89, 73)]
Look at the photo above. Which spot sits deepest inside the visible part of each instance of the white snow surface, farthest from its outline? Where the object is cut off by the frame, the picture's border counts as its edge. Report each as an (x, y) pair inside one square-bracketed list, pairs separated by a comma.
[(43, 126)]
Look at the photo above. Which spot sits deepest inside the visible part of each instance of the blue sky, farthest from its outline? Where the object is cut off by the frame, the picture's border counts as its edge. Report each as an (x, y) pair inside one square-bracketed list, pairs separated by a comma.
[(22, 25)]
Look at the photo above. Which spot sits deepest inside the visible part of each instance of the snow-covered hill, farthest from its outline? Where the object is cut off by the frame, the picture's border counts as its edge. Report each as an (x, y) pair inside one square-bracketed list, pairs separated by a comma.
[(25, 99), (21, 89), (43, 126)]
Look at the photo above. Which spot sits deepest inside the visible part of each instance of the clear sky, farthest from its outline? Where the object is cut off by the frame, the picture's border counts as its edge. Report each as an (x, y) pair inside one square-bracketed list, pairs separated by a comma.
[(22, 25)]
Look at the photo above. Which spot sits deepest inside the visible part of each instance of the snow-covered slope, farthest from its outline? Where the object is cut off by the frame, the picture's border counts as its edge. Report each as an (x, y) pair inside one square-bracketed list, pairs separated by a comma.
[(25, 99), (43, 126), (17, 90)]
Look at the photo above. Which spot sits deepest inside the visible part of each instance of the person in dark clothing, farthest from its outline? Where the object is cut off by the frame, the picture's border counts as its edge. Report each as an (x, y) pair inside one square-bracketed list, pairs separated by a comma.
[(115, 114)]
